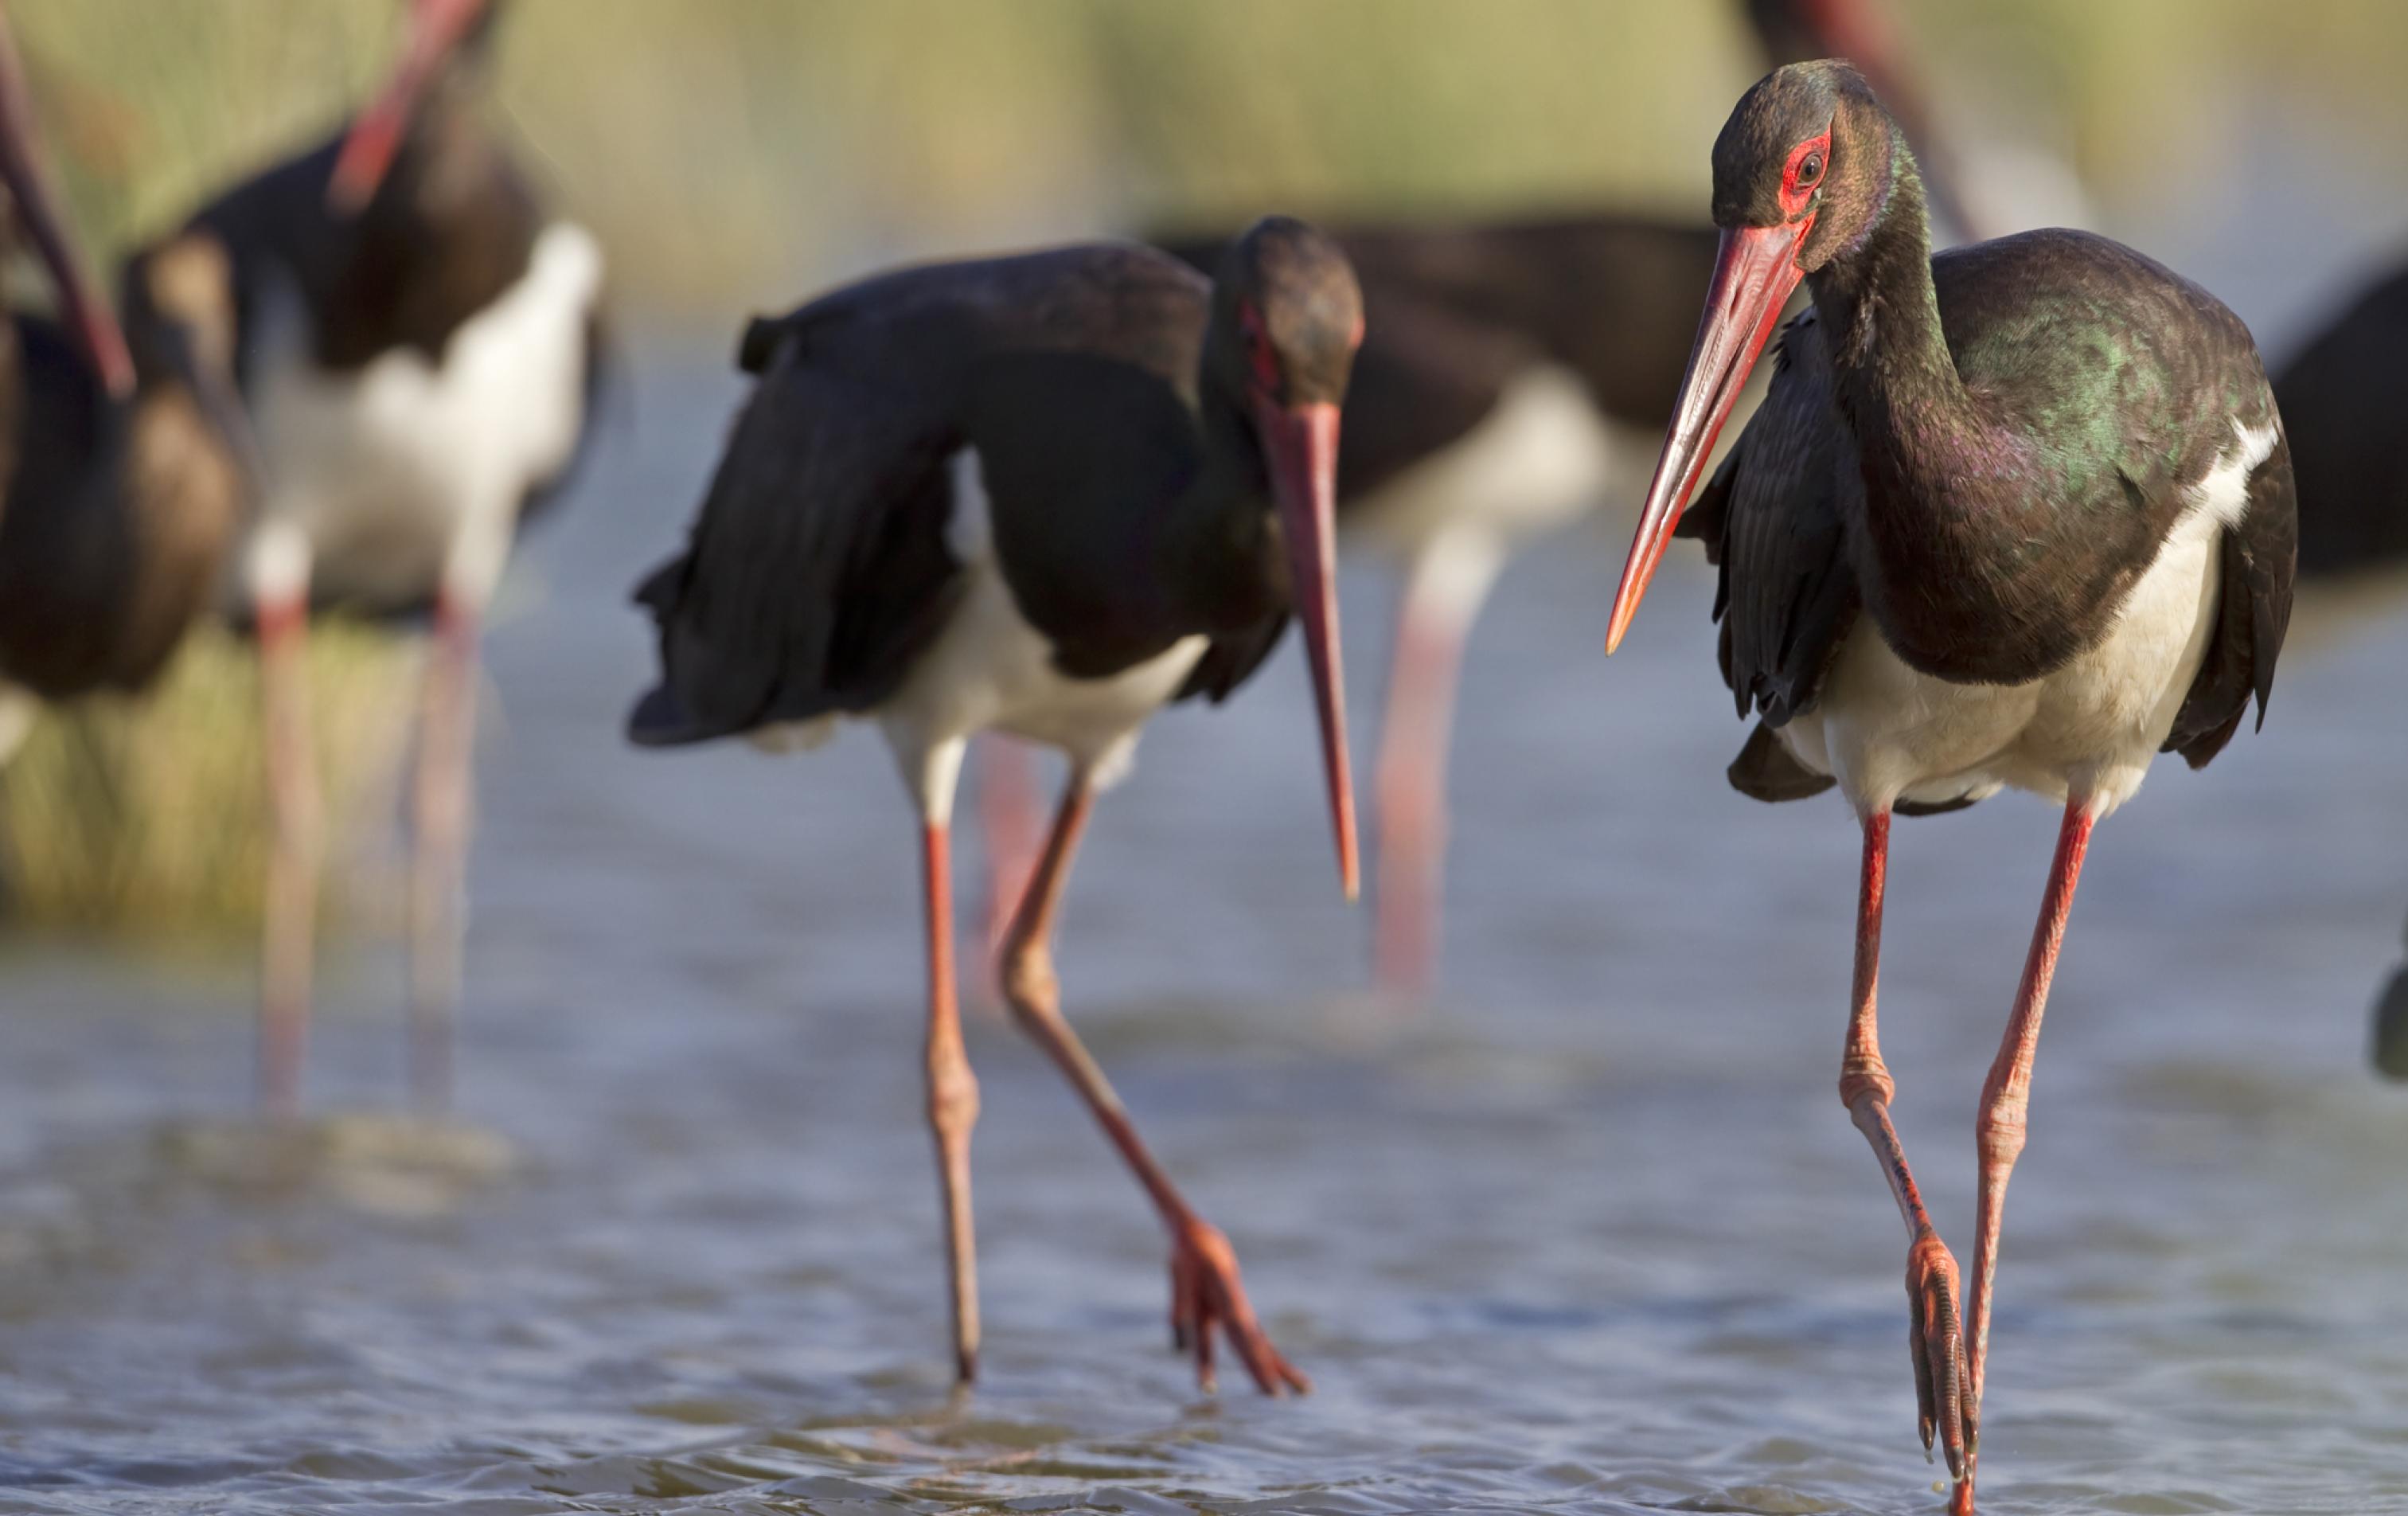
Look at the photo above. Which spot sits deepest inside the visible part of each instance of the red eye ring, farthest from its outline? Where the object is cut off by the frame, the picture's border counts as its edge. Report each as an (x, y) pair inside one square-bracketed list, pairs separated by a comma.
[(1798, 184), (1258, 347)]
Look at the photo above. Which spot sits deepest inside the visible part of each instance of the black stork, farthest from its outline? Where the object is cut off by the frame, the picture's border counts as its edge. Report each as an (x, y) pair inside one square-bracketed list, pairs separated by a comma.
[(125, 463), (1501, 360), (1044, 494), (2020, 514), (417, 347), (2343, 402)]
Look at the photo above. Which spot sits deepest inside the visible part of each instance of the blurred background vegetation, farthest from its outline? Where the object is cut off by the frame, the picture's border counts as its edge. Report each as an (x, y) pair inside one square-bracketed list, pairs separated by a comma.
[(735, 154)]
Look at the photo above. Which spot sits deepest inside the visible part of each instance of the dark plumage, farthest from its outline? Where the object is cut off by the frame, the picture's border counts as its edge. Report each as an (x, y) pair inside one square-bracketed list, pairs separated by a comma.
[(2343, 402), (123, 465), (449, 230), (817, 569), (2021, 515), (2001, 594), (120, 511)]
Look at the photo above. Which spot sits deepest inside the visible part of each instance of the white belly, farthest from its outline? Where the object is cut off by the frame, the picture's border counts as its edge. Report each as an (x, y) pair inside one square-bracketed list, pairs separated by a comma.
[(1540, 458), (989, 669), (2088, 730), (386, 482)]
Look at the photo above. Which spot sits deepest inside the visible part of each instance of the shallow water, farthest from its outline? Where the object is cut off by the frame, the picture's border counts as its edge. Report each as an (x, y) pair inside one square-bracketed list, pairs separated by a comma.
[(1590, 1232)]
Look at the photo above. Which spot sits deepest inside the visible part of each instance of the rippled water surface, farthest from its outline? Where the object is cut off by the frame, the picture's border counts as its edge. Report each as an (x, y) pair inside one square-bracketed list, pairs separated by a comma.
[(1590, 1232)]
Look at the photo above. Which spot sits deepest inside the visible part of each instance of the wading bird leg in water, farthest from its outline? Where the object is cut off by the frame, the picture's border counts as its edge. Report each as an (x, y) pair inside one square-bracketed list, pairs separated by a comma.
[(1999, 1129), (952, 1088), (1011, 819), (278, 573), (1205, 1292), (443, 801), (1444, 591), (1944, 1392)]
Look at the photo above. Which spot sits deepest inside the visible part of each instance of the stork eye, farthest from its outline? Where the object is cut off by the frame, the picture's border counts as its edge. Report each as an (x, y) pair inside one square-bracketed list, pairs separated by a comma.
[(1810, 169)]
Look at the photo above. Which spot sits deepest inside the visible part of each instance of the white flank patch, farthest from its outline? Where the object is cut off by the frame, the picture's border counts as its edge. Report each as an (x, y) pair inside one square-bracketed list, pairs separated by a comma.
[(1543, 457), (2091, 728), (2224, 493), (407, 474), (990, 669)]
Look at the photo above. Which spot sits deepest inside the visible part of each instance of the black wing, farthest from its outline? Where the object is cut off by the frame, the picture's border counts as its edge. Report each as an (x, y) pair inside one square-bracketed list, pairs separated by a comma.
[(1425, 378), (1080, 525), (1083, 458), (817, 570), (2342, 401), (2260, 554), (1771, 519)]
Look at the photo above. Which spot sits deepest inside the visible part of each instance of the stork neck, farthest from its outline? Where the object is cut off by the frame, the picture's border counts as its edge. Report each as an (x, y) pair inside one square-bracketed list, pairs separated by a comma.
[(1218, 543), (1883, 315), (1922, 438)]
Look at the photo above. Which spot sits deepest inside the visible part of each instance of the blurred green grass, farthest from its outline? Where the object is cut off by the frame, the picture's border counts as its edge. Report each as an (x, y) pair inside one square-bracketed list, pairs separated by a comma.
[(148, 815), (733, 152)]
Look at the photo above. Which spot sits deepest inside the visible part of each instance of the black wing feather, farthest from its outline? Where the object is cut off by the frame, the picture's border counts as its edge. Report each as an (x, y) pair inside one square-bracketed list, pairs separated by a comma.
[(1083, 457), (1771, 518), (817, 570)]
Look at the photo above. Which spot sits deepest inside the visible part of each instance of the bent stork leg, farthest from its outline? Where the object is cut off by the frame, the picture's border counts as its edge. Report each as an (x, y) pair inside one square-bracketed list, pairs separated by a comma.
[(1944, 1399), (1443, 592), (279, 577), (1999, 1129), (1206, 1296)]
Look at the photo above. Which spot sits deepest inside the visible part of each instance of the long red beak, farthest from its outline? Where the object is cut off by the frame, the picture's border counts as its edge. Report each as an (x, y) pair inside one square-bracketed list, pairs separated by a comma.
[(368, 153), (37, 211), (1754, 273), (1300, 445)]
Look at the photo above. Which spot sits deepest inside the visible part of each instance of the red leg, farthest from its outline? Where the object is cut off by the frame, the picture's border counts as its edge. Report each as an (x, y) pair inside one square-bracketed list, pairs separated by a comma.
[(1934, 1338), (952, 1099), (1414, 732), (1205, 1293), (289, 934), (2000, 1127), (1008, 815), (443, 801)]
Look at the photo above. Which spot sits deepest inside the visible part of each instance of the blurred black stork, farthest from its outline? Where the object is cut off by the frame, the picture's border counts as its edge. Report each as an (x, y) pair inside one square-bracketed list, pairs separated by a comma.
[(1501, 358), (417, 348), (1044, 494), (2343, 402), (2020, 514), (2345, 409), (125, 464)]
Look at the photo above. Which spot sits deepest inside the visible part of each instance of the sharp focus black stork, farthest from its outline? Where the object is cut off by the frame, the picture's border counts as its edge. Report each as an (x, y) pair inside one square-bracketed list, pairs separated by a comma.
[(417, 346), (1043, 494), (2020, 514), (124, 464)]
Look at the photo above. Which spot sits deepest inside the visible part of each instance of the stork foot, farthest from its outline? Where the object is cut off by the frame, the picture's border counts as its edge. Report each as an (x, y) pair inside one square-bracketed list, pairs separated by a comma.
[(1935, 1337), (1206, 1297)]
